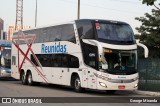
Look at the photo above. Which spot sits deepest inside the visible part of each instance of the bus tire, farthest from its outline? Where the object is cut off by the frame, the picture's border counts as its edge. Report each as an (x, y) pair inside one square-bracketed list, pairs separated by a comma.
[(23, 78), (77, 84), (29, 79)]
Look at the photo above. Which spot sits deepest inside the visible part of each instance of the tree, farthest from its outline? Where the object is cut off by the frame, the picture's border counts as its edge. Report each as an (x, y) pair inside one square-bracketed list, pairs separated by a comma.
[(150, 29), (150, 2)]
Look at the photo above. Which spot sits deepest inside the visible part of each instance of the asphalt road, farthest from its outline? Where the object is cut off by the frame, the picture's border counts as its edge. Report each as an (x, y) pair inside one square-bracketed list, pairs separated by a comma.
[(12, 88)]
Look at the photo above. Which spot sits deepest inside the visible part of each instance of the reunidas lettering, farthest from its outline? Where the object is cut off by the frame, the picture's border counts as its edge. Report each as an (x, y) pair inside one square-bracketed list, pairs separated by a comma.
[(55, 48)]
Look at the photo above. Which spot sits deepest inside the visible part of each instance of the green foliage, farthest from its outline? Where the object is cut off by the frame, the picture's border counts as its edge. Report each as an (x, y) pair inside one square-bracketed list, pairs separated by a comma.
[(150, 31), (149, 2)]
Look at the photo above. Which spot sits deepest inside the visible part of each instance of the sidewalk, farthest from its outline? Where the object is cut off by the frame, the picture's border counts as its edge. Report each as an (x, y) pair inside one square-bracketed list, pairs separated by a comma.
[(149, 93), (143, 93)]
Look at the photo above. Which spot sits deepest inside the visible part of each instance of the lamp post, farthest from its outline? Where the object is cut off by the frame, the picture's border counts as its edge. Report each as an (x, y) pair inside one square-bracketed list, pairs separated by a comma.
[(36, 15), (78, 15)]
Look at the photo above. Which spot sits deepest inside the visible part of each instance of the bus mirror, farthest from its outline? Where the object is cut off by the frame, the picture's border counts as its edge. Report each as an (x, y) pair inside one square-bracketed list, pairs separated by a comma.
[(146, 52)]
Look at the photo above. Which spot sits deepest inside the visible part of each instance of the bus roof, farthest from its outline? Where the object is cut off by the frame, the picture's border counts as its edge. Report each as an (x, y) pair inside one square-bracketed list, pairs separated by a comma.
[(101, 20), (69, 22), (79, 20)]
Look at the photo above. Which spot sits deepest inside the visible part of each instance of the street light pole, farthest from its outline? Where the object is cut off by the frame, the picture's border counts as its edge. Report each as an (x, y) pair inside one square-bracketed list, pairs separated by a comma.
[(78, 15), (36, 15)]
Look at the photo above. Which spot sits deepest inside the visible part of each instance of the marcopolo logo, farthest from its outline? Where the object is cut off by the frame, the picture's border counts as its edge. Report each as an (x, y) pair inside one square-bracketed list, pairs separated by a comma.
[(55, 48), (122, 76)]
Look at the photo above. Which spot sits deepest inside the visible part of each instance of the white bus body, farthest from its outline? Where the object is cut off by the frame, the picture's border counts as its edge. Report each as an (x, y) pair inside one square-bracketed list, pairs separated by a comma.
[(77, 54)]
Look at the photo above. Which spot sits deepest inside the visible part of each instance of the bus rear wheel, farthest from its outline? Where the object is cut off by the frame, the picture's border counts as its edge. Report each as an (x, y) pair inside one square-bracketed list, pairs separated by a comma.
[(23, 78), (77, 84), (29, 78)]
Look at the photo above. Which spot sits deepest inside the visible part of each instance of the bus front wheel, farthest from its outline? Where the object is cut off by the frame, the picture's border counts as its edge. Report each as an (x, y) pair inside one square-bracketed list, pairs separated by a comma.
[(77, 84)]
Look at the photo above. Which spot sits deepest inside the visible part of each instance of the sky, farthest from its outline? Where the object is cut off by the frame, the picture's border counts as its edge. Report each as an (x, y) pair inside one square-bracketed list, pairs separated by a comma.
[(58, 11)]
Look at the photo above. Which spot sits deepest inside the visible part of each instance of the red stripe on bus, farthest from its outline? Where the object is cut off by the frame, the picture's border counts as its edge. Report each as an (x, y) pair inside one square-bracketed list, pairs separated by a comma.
[(25, 56)]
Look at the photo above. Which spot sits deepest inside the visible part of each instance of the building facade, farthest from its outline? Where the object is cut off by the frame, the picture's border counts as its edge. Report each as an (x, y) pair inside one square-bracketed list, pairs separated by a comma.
[(1, 24), (11, 30), (1, 29)]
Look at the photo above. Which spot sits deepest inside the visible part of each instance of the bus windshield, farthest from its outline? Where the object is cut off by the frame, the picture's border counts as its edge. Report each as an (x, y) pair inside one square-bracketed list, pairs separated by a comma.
[(114, 32), (5, 60), (119, 62)]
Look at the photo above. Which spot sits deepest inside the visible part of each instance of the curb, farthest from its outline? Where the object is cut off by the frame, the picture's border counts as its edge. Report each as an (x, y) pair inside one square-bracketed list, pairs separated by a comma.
[(139, 92), (149, 93)]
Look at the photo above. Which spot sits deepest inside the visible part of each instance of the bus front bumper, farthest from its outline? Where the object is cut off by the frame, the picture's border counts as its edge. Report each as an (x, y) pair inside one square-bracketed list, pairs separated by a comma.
[(118, 86)]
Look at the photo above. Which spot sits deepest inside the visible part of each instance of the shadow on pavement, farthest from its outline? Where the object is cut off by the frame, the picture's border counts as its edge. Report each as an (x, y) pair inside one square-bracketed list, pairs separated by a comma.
[(8, 79)]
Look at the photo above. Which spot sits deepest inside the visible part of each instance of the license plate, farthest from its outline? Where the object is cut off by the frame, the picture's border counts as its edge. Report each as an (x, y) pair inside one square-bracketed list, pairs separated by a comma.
[(121, 87)]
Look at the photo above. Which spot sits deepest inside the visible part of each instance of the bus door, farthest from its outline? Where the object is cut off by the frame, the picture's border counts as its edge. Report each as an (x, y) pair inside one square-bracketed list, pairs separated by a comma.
[(91, 61), (90, 56), (88, 78), (14, 65), (84, 77), (91, 78)]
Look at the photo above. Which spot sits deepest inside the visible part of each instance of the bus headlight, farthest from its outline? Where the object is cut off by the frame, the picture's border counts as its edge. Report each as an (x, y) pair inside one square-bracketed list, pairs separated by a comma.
[(136, 85), (3, 71), (102, 77), (103, 84)]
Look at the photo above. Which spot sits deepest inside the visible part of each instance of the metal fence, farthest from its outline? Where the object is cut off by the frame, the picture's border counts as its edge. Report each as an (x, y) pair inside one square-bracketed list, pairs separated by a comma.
[(149, 74)]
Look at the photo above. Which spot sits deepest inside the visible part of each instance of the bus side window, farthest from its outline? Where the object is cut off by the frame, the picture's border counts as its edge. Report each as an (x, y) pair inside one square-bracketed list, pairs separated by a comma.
[(51, 34), (36, 32), (74, 62), (65, 60), (13, 60), (45, 35), (68, 33), (85, 30), (59, 60), (90, 55), (57, 33), (41, 37), (53, 61)]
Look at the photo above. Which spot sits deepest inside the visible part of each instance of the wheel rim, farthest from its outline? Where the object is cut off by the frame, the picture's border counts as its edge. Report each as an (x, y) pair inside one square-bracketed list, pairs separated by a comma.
[(29, 78), (23, 78), (77, 83)]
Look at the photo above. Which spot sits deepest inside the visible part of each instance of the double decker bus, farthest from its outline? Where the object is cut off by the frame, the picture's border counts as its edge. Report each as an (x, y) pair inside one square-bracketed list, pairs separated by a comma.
[(5, 58), (85, 53)]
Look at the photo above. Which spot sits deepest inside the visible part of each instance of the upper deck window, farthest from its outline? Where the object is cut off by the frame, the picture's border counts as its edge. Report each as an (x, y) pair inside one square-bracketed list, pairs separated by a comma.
[(85, 30), (68, 33), (115, 32), (63, 32)]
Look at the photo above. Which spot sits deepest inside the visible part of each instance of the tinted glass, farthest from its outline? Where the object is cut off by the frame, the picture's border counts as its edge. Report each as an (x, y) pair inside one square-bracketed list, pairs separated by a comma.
[(56, 33), (114, 32), (68, 33), (56, 60), (85, 30), (90, 55), (13, 60), (51, 34), (6, 58), (119, 61)]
